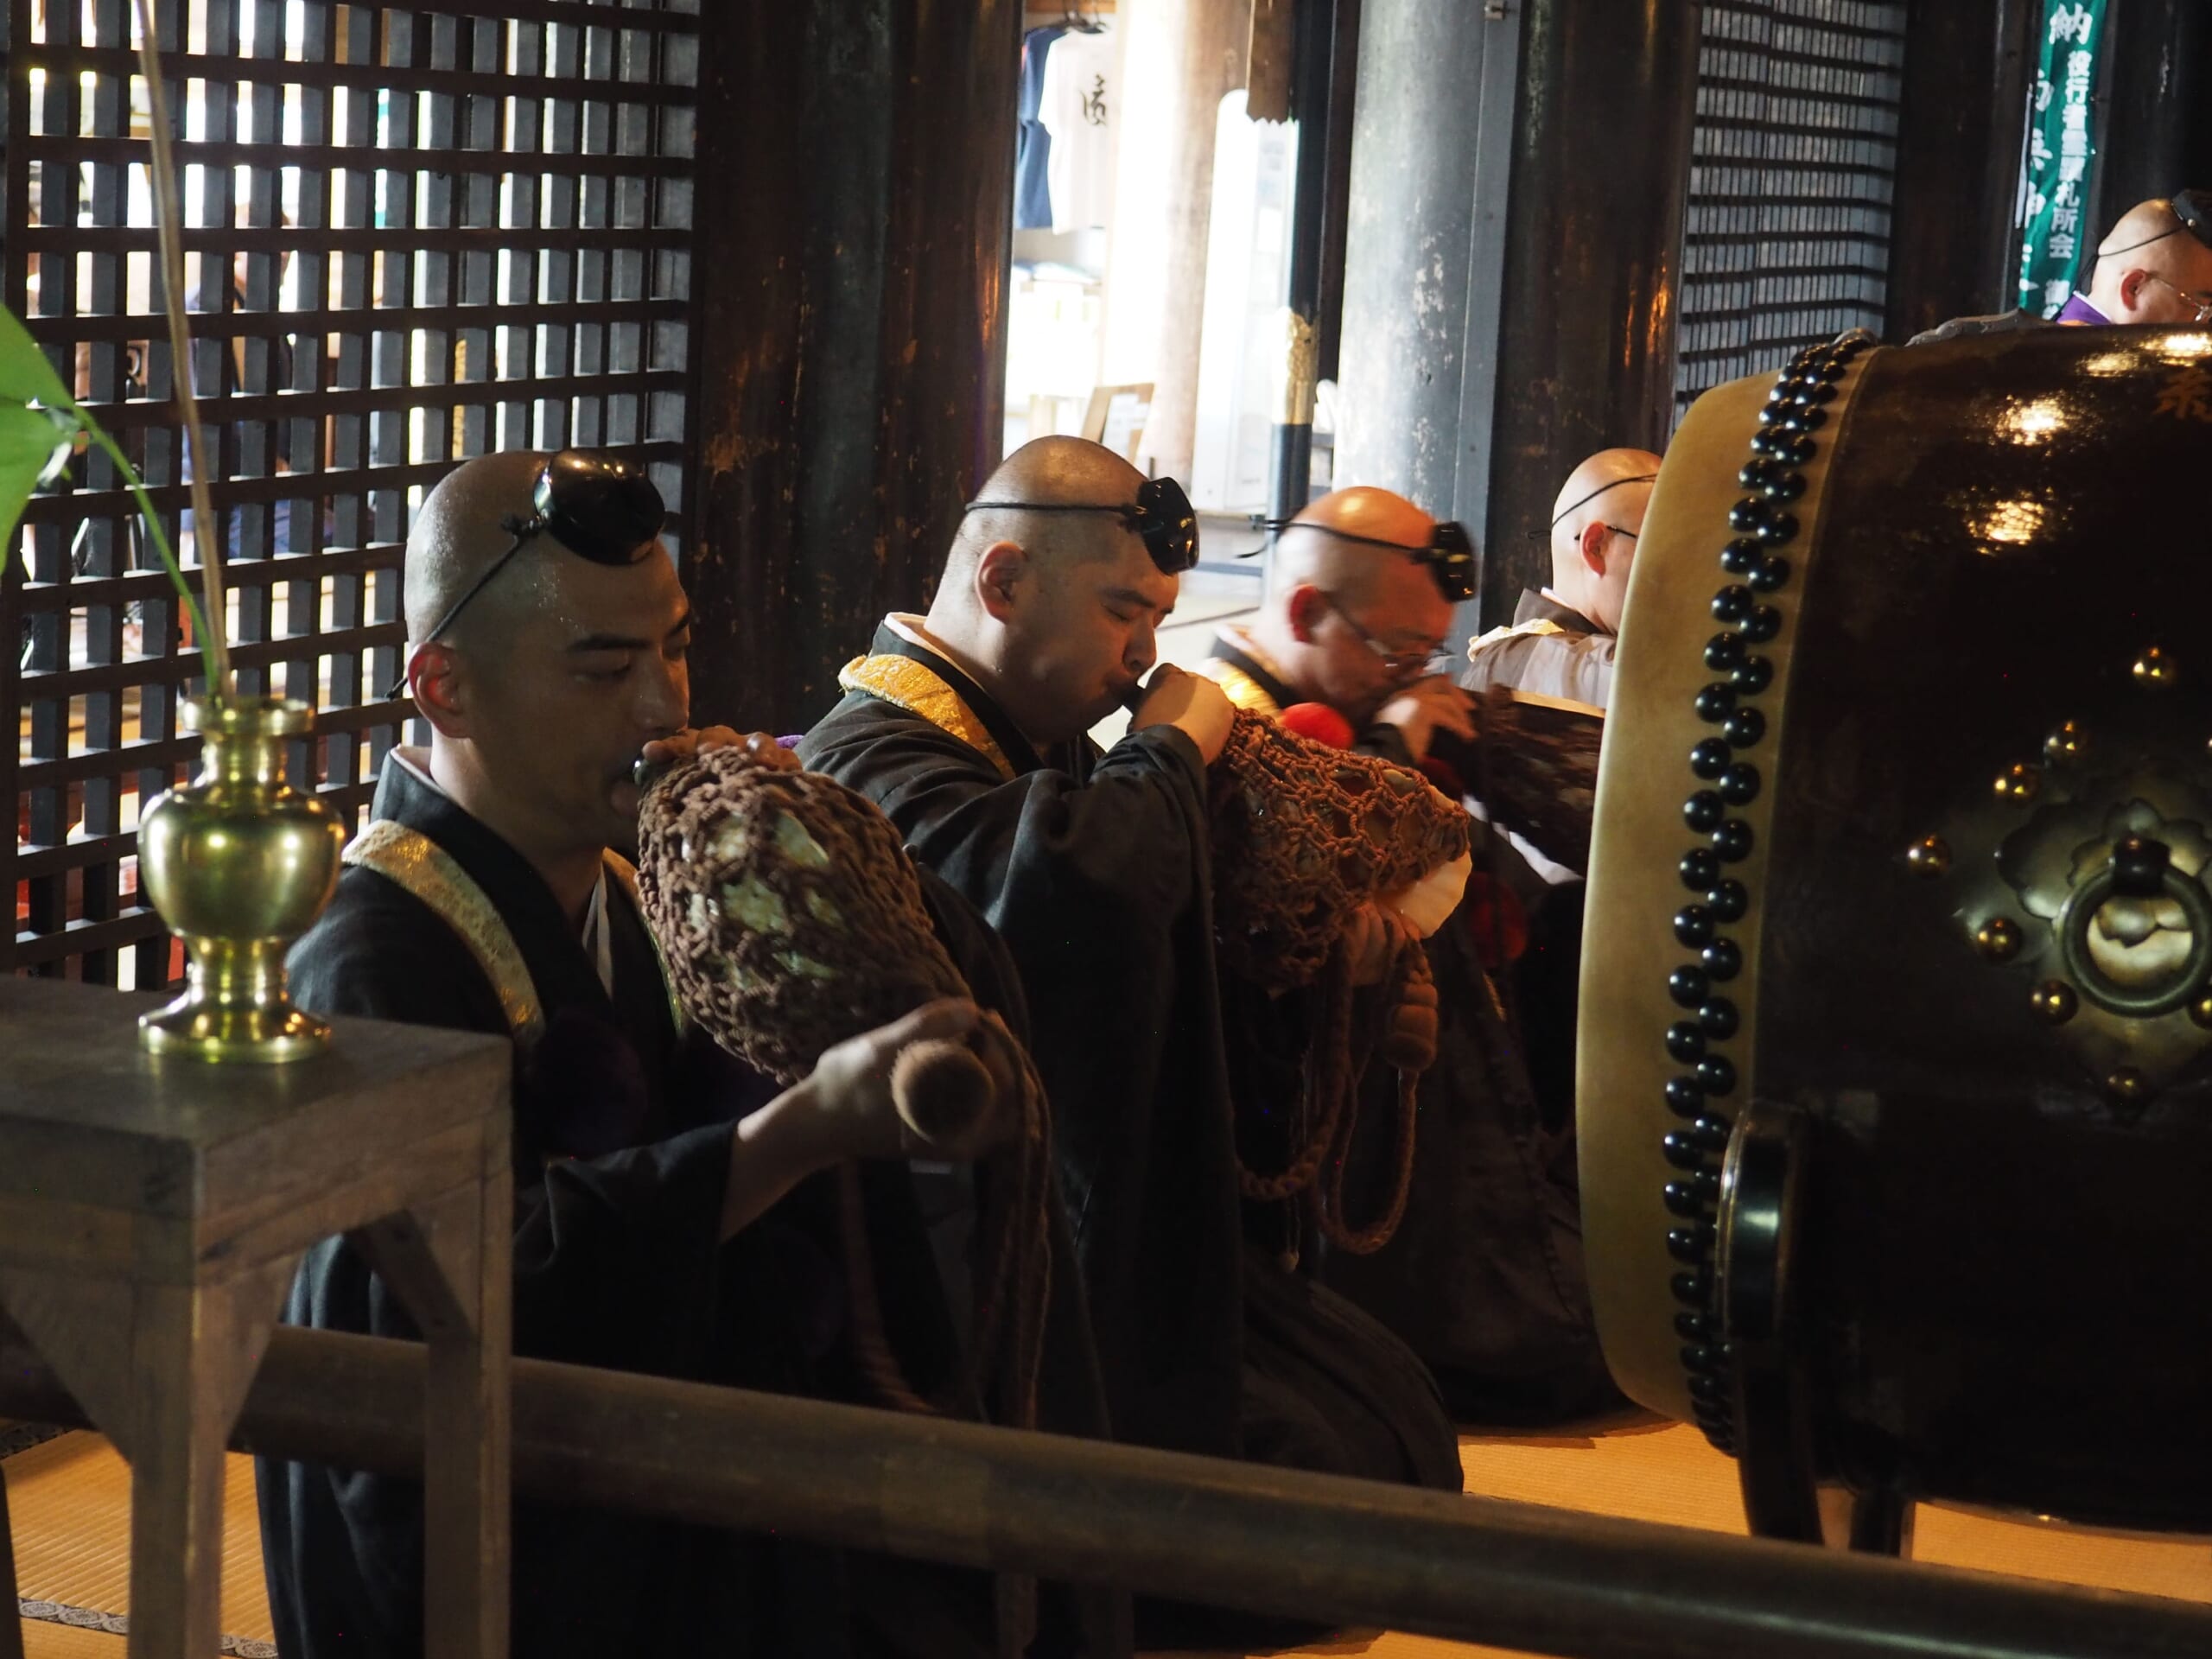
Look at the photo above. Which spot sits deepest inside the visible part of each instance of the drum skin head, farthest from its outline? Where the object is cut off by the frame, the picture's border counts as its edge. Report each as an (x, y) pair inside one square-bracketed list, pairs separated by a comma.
[(1629, 946), (1972, 964)]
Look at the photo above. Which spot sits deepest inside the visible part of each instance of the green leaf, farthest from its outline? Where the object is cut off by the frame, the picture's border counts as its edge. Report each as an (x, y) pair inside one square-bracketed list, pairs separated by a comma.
[(25, 374), (34, 445)]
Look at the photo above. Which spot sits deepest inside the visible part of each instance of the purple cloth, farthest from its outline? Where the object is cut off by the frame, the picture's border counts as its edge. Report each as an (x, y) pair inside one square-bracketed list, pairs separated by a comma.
[(792, 741), (2080, 310)]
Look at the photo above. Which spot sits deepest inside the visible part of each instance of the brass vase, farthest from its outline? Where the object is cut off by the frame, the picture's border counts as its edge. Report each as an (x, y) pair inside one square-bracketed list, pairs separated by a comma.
[(239, 864)]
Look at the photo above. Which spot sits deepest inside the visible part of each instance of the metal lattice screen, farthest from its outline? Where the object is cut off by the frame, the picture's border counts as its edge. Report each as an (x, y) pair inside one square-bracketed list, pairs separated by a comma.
[(1787, 236), (414, 236)]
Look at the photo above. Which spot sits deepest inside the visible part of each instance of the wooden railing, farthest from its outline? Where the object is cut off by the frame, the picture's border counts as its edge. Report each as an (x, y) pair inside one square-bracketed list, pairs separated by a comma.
[(1263, 1540)]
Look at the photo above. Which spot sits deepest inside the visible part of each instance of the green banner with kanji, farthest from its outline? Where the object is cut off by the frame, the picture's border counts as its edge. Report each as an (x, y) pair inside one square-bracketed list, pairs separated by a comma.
[(2054, 242)]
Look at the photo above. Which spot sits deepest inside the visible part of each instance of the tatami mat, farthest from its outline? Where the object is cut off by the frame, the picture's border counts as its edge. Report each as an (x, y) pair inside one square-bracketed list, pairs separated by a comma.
[(70, 1500), (44, 1641), (1665, 1471)]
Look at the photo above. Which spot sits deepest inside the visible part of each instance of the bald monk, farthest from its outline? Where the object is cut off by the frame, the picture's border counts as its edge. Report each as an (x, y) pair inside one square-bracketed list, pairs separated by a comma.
[(1356, 611), (966, 727), (2155, 266), (674, 1214), (1563, 637), (1483, 1278)]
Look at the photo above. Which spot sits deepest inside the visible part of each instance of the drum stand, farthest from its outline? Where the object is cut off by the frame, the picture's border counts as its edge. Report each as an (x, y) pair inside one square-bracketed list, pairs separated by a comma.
[(1778, 1461)]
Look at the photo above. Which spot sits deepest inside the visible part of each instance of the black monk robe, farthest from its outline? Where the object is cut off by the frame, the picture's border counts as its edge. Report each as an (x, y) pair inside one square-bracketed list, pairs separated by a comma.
[(622, 1146), (1095, 868), (1484, 1275)]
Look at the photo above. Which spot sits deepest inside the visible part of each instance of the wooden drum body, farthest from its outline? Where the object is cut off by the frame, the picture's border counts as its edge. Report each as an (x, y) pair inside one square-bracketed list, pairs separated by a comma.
[(1895, 1056)]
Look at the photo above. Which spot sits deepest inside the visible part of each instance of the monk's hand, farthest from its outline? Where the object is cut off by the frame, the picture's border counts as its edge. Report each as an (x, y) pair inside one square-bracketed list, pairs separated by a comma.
[(854, 1105), (682, 745), (845, 1109), (1192, 704), (1372, 940), (1426, 708)]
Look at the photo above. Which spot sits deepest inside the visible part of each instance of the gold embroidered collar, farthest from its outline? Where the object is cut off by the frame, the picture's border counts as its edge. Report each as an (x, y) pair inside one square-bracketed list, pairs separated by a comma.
[(919, 690)]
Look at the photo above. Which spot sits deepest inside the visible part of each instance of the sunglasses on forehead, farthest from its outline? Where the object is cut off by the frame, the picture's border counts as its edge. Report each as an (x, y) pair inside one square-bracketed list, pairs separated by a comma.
[(2192, 212), (1161, 517), (599, 507), (1449, 557)]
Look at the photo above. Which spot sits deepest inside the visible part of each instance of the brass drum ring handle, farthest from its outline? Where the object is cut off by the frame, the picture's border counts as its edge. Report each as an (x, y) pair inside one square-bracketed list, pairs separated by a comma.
[(2099, 986)]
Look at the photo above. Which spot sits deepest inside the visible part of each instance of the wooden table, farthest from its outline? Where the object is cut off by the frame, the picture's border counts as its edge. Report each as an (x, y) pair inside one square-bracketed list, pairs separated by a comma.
[(152, 1213)]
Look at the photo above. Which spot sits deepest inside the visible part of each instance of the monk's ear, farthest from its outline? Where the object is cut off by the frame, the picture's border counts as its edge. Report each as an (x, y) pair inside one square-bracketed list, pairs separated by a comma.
[(437, 678), (1304, 612), (1592, 546), (1000, 572), (2132, 285)]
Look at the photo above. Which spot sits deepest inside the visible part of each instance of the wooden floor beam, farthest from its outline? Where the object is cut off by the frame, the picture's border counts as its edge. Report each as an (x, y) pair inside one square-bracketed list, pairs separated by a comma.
[(1514, 1575)]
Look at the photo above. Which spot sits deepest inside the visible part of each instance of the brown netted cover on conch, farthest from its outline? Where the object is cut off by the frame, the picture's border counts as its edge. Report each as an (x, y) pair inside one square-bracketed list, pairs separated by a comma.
[(1303, 835), (791, 920), (789, 912)]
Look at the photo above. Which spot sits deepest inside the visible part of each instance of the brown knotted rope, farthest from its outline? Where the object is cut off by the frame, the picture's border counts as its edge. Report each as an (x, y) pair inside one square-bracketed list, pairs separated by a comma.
[(791, 920), (1410, 1046), (1304, 834)]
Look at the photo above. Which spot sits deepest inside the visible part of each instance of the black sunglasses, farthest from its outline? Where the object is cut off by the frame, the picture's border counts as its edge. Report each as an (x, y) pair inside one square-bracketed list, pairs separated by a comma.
[(599, 507), (2194, 209), (1449, 557), (1162, 516)]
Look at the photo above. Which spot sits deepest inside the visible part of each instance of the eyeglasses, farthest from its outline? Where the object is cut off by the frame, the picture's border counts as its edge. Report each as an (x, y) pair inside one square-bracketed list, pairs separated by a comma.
[(1400, 664), (1449, 557), (1161, 516), (1546, 535), (2192, 212), (2202, 301), (597, 506)]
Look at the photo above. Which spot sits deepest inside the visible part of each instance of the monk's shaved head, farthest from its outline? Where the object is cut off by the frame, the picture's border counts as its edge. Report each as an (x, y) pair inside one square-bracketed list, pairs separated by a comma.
[(1051, 472), (1313, 549), (541, 694), (1351, 616), (2150, 235), (2150, 241), (459, 535), (1054, 613), (1614, 483), (1596, 518)]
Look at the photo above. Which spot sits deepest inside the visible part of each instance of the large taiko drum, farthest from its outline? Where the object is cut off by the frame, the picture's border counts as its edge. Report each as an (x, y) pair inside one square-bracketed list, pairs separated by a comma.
[(1896, 1054)]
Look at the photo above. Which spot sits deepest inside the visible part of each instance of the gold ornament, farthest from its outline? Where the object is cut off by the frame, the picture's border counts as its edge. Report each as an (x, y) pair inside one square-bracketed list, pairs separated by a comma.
[(239, 864), (1929, 856), (1998, 939), (2018, 785), (2053, 1001)]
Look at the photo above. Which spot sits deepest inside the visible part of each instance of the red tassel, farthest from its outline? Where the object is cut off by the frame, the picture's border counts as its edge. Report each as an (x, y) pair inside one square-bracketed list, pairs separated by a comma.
[(1320, 722)]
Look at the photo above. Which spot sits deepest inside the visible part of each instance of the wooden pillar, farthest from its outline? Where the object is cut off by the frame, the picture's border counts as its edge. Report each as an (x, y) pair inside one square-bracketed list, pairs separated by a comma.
[(1421, 202), (1585, 352), (854, 207), (1513, 257), (2156, 82), (1967, 69)]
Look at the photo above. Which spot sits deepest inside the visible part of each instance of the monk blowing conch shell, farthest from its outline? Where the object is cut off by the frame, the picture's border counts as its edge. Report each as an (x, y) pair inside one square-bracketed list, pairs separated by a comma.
[(792, 919)]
